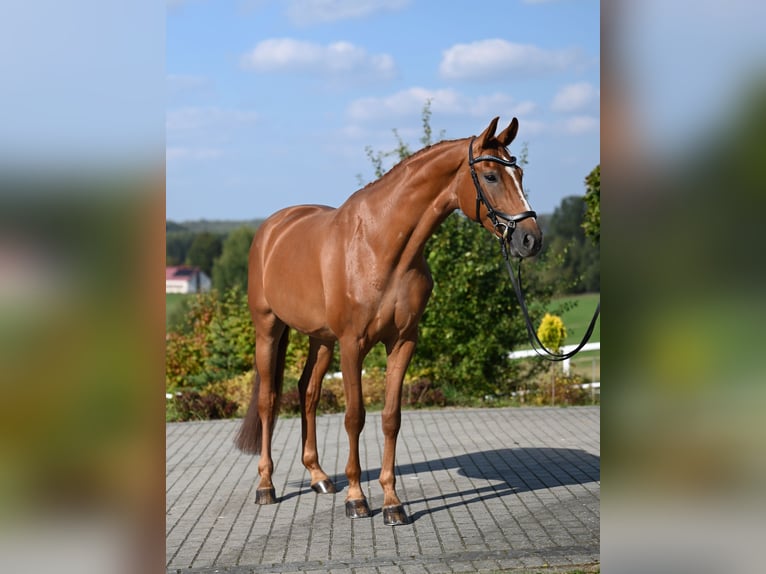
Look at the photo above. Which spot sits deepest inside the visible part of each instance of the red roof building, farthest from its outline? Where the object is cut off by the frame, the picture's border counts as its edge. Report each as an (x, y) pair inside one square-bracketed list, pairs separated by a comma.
[(186, 279)]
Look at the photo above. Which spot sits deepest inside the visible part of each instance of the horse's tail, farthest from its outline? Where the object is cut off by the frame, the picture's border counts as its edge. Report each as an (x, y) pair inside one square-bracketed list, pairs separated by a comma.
[(249, 438)]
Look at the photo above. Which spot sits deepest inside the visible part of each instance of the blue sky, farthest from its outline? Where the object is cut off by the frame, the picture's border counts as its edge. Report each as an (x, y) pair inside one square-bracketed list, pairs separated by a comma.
[(271, 104)]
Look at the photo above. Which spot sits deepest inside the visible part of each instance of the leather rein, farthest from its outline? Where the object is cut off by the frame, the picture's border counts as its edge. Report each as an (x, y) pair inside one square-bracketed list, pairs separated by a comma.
[(505, 224)]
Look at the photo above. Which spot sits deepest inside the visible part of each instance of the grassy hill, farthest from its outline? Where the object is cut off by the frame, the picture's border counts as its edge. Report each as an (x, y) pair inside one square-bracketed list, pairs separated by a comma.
[(577, 319)]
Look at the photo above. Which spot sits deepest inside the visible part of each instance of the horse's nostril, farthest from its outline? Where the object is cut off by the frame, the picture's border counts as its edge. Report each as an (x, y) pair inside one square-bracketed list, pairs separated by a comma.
[(529, 241)]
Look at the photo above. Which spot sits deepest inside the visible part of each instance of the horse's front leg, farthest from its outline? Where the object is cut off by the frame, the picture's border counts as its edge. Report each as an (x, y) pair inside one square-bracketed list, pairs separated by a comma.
[(310, 386), (351, 357), (399, 356)]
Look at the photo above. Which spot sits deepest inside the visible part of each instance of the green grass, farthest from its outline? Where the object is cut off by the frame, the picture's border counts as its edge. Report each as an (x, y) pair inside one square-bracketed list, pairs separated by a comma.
[(576, 320)]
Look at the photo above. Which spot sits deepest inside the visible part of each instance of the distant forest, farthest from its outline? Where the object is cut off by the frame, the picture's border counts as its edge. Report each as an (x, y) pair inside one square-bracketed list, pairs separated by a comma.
[(216, 226)]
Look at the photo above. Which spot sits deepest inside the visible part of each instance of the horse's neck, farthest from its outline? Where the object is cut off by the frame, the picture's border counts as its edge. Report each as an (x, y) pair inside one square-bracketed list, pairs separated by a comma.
[(406, 206)]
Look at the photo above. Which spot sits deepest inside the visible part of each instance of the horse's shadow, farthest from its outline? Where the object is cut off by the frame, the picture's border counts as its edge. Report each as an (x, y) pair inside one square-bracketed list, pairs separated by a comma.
[(510, 471)]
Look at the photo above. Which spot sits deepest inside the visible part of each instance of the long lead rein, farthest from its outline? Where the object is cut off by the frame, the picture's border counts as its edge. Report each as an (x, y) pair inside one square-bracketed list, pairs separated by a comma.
[(533, 338)]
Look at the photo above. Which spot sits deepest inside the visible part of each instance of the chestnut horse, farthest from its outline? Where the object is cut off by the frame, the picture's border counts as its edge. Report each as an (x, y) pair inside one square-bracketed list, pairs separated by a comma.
[(357, 275)]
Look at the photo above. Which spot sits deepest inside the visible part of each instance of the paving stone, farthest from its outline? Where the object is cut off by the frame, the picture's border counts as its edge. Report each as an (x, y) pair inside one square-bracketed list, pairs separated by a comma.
[(485, 489)]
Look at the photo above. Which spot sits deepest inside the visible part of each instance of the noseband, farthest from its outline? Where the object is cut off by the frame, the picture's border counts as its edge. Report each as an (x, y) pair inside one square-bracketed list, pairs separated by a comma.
[(504, 223)]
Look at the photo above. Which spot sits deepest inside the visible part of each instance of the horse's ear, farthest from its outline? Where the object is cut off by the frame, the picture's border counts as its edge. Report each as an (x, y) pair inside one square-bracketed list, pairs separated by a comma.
[(489, 133), (509, 134)]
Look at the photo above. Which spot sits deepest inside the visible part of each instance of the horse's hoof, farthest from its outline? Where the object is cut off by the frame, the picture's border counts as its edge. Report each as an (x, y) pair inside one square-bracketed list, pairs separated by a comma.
[(265, 495), (394, 515), (357, 509), (324, 487)]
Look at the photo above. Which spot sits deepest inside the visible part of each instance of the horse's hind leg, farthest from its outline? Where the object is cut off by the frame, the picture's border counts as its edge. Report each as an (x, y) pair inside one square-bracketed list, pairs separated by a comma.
[(270, 349), (310, 386)]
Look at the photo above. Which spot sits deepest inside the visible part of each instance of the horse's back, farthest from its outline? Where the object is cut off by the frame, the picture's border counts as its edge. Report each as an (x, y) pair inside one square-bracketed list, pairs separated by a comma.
[(286, 225)]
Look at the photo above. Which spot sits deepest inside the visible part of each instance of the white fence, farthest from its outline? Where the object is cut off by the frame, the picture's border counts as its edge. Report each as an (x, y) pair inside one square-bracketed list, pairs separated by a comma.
[(565, 363)]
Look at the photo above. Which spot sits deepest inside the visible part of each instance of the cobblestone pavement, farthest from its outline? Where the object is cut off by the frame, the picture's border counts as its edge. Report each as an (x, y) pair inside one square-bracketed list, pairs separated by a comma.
[(485, 489)]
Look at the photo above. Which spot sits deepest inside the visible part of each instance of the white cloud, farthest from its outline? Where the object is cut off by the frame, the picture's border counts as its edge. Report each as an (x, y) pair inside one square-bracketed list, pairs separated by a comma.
[(307, 12), (495, 58), (337, 59), (445, 101), (192, 118), (574, 97), (403, 103), (577, 125)]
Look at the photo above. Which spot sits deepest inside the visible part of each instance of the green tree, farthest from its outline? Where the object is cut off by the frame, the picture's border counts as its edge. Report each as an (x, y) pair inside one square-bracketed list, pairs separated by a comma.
[(177, 244), (592, 222), (472, 321), (230, 268), (204, 250), (577, 267), (229, 339)]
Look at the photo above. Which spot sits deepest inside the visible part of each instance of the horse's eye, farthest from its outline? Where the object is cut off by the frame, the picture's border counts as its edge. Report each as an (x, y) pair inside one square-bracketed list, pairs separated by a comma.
[(490, 177)]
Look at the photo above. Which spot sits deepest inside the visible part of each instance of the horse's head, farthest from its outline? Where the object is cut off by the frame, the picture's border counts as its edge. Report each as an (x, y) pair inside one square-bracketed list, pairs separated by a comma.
[(495, 197)]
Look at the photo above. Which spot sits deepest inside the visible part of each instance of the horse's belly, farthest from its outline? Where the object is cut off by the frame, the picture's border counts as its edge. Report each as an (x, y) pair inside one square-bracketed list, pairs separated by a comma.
[(304, 319)]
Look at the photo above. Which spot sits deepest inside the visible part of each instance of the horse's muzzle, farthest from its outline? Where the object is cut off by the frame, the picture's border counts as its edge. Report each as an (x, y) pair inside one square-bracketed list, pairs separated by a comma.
[(526, 243)]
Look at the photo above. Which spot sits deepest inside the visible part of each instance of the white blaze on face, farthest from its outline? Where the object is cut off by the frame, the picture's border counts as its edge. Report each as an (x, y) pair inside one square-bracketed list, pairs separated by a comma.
[(512, 172)]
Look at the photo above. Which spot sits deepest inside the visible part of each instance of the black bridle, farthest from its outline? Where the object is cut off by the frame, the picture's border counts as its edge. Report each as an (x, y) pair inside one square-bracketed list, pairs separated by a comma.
[(505, 229)]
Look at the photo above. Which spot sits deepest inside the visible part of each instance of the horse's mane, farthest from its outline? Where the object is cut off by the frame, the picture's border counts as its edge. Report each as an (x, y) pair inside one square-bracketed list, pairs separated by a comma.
[(404, 162)]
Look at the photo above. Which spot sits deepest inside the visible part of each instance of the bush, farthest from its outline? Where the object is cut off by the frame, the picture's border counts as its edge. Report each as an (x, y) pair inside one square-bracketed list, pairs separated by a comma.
[(552, 332), (328, 402), (229, 339), (374, 387), (186, 347), (423, 393), (568, 391), (193, 405), (238, 389), (295, 356), (214, 341)]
